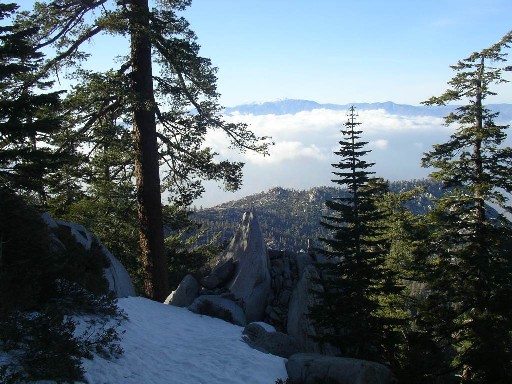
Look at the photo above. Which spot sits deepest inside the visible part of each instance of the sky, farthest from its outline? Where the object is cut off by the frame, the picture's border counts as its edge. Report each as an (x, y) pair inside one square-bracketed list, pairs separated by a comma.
[(341, 51), (332, 51), (336, 51)]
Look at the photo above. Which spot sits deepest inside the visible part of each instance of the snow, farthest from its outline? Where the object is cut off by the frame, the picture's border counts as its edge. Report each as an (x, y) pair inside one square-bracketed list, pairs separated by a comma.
[(167, 344)]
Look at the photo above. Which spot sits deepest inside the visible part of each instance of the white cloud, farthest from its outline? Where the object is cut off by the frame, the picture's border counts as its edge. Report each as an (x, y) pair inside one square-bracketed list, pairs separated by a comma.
[(315, 134), (322, 121), (287, 150), (379, 121), (305, 142), (285, 125), (379, 144)]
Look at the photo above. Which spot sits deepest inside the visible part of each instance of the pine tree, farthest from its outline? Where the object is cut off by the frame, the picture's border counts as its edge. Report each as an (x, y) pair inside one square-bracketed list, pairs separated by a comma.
[(186, 81), (468, 263), (29, 116), (108, 205), (410, 350), (355, 276)]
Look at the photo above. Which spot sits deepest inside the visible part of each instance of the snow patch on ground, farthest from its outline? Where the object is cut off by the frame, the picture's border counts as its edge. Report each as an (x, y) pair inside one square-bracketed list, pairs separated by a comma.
[(166, 344)]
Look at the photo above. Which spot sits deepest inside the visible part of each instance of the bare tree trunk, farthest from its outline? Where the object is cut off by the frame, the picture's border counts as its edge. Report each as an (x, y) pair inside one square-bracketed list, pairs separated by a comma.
[(146, 156), (477, 149)]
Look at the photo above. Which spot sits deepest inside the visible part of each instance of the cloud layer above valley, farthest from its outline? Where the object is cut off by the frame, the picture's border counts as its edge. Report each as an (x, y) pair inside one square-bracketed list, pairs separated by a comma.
[(305, 141)]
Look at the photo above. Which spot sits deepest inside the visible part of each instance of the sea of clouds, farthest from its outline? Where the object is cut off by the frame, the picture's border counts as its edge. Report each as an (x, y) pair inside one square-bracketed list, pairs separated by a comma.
[(305, 143)]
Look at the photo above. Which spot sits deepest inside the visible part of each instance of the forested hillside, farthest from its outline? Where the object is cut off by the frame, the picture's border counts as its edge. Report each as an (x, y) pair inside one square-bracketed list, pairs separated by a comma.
[(289, 218)]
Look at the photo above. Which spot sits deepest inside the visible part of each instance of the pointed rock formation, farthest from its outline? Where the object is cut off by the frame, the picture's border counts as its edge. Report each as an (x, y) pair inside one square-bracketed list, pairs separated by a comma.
[(251, 280)]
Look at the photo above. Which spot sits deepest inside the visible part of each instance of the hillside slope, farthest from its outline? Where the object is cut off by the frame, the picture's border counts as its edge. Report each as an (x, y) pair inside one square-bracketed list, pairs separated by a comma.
[(289, 218)]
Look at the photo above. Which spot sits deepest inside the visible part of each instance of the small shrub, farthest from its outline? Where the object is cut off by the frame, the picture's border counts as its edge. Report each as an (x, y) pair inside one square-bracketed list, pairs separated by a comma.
[(83, 266), (44, 295)]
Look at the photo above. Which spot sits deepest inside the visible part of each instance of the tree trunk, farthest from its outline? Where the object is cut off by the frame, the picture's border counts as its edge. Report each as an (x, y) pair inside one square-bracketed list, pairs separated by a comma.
[(146, 156), (477, 149)]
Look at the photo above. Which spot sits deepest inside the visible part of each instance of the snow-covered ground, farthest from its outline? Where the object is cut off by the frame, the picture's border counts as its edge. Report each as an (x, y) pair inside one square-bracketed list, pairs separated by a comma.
[(166, 344)]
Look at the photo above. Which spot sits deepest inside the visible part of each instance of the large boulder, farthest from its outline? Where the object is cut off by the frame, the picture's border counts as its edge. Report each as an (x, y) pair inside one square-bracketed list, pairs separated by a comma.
[(273, 342), (220, 307), (117, 276), (185, 294), (299, 326), (119, 280), (220, 274), (311, 368), (250, 282), (302, 261)]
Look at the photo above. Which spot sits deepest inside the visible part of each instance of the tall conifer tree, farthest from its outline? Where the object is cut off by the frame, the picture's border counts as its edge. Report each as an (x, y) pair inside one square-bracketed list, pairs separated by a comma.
[(355, 275), (469, 263), (29, 115), (157, 105)]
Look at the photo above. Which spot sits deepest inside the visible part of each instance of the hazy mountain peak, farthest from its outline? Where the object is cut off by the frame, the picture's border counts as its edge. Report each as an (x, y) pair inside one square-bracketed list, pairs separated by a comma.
[(293, 106)]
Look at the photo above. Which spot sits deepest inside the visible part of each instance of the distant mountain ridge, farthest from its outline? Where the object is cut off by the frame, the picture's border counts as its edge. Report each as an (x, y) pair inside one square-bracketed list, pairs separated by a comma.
[(293, 106), (289, 218)]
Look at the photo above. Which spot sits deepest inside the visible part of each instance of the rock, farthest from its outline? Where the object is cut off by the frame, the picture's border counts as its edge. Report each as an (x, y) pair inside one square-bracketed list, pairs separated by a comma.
[(275, 343), (49, 221), (119, 280), (82, 235), (185, 294), (302, 260), (267, 327), (299, 326), (55, 244), (278, 264), (274, 316), (310, 368), (228, 295), (284, 297), (216, 306), (251, 279), (274, 254), (278, 283), (222, 272)]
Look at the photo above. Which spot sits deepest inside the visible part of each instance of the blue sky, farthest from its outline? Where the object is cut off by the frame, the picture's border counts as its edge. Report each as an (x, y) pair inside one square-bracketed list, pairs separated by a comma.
[(343, 51), (333, 51), (338, 51)]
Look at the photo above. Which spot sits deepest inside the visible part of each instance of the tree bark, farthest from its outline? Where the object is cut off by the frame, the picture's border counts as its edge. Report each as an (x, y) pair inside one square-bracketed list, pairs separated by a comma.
[(153, 258), (477, 148)]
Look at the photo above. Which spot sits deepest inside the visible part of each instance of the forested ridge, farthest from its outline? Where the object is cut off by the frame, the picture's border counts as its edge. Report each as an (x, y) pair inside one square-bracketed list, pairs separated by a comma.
[(290, 217)]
